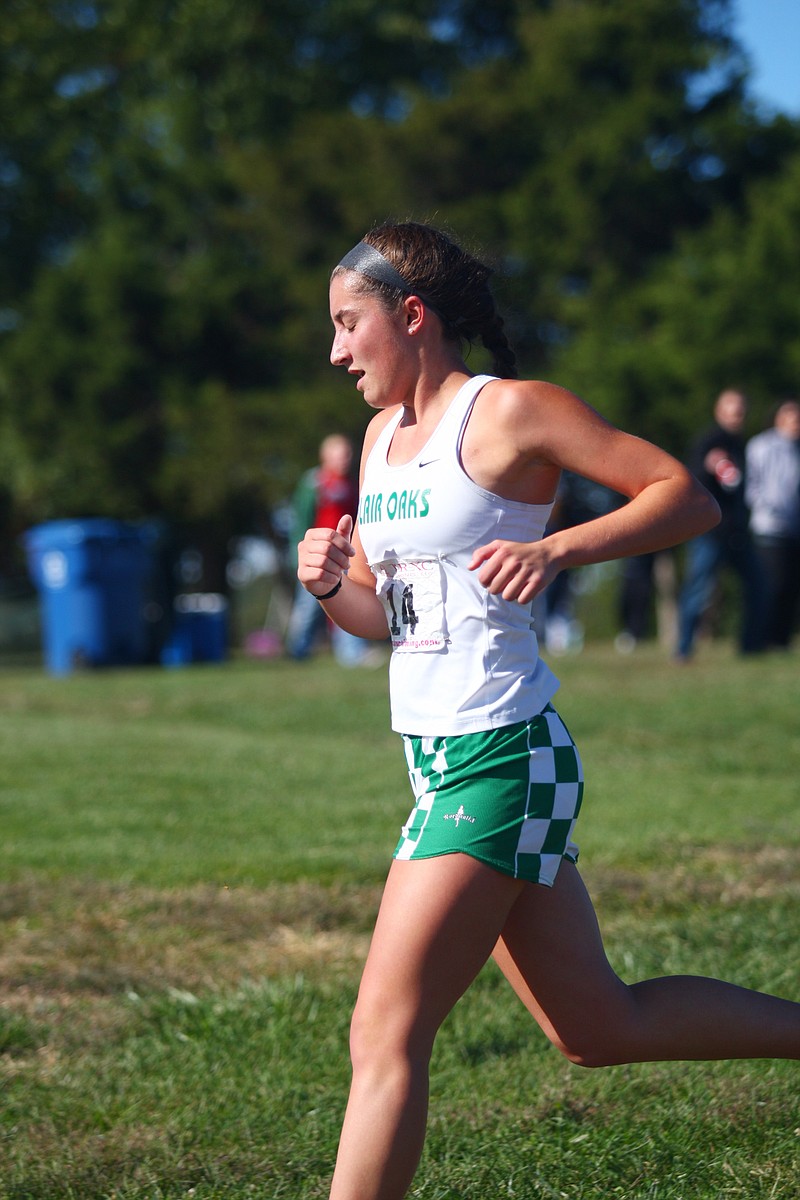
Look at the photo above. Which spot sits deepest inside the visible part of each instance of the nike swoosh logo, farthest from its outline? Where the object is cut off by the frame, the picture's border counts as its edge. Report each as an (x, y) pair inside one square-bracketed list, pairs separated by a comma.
[(428, 462)]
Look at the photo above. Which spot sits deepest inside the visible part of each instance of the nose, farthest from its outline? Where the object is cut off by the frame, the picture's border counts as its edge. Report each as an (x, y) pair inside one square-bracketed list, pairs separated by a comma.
[(339, 356)]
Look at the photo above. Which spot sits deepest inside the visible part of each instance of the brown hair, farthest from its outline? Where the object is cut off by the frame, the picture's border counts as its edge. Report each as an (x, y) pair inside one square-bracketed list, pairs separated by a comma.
[(449, 279)]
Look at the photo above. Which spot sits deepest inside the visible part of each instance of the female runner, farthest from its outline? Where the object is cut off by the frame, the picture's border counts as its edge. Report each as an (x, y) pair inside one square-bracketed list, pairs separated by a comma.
[(458, 476)]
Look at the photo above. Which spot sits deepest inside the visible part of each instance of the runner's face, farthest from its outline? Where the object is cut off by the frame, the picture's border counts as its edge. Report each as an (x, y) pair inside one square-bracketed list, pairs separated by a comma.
[(367, 341)]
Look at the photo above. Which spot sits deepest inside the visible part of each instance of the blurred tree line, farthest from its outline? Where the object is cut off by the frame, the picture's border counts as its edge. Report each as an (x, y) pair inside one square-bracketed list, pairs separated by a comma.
[(178, 177)]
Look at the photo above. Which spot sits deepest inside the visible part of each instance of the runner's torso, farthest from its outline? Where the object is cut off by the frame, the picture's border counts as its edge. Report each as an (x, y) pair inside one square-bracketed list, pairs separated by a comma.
[(462, 660)]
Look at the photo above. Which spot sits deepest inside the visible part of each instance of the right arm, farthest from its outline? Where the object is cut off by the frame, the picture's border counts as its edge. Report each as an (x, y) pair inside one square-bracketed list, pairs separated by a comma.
[(326, 556)]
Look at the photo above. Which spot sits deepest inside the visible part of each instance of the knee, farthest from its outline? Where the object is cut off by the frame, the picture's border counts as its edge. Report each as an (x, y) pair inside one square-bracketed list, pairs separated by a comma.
[(593, 1046), (365, 1033), (602, 1031), (590, 1056), (384, 1033)]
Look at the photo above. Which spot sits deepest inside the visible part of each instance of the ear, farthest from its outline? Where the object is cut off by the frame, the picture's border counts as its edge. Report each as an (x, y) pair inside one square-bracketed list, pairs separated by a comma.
[(414, 312)]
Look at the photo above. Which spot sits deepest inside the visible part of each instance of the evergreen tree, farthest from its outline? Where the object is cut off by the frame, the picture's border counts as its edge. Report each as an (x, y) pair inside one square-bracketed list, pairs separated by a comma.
[(178, 177)]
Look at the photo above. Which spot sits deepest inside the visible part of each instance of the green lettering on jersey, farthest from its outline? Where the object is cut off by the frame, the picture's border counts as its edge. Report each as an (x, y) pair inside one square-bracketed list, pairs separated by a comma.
[(399, 506)]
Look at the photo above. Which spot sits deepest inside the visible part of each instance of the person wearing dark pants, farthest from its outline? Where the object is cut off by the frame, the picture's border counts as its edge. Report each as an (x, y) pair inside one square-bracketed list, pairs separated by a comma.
[(717, 458), (773, 495)]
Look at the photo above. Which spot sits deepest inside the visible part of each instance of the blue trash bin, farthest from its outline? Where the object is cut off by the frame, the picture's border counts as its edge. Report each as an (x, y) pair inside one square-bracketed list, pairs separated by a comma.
[(91, 576), (200, 630)]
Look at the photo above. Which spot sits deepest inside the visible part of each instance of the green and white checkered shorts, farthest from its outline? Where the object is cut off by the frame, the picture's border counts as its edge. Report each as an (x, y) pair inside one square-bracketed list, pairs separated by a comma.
[(509, 797)]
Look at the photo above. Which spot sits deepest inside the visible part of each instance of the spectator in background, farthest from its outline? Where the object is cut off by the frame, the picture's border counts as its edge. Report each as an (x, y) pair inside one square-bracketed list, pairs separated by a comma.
[(577, 500), (323, 496), (647, 596), (773, 495), (717, 458), (635, 601)]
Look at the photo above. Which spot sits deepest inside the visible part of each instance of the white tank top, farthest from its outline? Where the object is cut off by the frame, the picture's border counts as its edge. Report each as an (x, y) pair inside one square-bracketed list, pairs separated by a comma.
[(462, 660)]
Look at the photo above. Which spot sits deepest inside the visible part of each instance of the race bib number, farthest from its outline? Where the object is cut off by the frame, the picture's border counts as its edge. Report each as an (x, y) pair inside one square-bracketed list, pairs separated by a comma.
[(412, 595)]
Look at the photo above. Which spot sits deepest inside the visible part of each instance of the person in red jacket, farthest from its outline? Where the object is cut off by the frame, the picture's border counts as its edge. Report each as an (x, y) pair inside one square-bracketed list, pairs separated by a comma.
[(323, 496)]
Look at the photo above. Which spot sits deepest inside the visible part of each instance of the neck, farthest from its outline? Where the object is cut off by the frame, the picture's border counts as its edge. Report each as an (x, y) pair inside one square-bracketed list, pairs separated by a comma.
[(433, 393)]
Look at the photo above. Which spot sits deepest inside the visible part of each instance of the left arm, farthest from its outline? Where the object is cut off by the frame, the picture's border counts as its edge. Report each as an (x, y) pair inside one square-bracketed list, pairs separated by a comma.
[(548, 426)]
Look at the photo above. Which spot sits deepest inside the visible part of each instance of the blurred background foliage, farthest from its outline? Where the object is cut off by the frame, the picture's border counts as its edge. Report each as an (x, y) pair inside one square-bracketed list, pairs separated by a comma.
[(178, 177)]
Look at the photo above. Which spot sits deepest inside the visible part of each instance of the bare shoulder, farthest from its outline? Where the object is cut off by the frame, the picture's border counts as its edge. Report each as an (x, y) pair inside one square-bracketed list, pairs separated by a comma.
[(529, 415), (515, 400), (534, 424), (506, 446)]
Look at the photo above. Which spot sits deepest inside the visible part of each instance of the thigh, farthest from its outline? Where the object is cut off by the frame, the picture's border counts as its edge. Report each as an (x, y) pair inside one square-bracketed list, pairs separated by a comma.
[(438, 922), (551, 951)]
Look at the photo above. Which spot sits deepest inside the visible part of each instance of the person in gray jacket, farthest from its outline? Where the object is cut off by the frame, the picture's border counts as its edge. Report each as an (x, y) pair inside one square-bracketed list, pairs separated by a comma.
[(773, 496)]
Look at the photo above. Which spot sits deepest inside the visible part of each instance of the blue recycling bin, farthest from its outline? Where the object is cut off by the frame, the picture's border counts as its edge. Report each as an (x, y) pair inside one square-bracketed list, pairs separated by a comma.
[(92, 577)]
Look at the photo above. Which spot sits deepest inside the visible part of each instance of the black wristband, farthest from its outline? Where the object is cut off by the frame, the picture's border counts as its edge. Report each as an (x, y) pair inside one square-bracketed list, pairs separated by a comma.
[(332, 592)]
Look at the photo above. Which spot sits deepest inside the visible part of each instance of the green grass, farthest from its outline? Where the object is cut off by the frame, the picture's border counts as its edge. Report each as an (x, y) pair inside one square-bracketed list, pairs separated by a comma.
[(190, 865)]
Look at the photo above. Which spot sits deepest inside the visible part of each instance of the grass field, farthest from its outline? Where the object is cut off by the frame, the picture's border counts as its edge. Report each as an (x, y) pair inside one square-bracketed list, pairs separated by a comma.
[(190, 863)]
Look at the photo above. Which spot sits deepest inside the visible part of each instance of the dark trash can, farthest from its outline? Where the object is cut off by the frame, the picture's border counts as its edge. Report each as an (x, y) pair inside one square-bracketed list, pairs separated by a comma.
[(92, 576), (199, 630)]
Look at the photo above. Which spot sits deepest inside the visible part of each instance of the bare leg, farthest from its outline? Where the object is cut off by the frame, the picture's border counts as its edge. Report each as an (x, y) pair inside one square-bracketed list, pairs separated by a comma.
[(438, 921), (552, 953)]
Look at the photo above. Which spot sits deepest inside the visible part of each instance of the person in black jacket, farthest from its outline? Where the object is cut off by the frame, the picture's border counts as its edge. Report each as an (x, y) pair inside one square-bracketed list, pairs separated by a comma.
[(717, 458)]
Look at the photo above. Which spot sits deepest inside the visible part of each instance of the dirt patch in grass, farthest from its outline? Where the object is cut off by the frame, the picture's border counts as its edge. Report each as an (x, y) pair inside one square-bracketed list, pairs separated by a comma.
[(61, 940), (64, 940), (723, 875)]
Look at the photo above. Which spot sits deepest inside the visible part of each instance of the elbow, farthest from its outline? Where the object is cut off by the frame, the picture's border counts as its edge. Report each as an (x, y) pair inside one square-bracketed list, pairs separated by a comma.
[(707, 511), (713, 511)]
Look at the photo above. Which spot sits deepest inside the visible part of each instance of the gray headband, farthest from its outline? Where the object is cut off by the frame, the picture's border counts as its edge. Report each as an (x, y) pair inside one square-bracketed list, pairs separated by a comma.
[(366, 260)]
